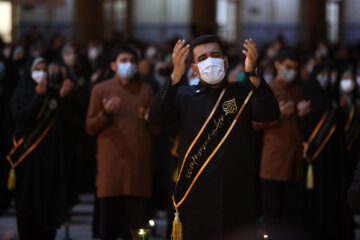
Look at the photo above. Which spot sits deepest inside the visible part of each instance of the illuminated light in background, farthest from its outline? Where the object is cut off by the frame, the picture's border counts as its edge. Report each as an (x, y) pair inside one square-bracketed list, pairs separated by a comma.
[(5, 20), (141, 232), (266, 236), (151, 223)]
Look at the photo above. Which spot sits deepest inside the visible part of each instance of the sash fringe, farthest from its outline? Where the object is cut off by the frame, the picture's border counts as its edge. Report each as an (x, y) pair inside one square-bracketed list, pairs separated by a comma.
[(310, 177), (177, 231), (12, 179)]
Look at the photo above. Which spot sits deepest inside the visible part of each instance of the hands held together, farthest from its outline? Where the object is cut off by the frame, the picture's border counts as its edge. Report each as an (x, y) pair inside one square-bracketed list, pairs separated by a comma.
[(288, 108)]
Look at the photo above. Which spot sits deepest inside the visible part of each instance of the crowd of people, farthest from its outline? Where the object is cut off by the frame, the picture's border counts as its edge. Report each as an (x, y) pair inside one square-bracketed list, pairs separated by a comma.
[(75, 119)]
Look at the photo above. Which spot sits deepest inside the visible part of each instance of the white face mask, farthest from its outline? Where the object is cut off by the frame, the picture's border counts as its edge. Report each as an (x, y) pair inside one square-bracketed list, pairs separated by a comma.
[(150, 52), (212, 70), (38, 75), (347, 85), (309, 68), (93, 53), (288, 75), (323, 80), (126, 70)]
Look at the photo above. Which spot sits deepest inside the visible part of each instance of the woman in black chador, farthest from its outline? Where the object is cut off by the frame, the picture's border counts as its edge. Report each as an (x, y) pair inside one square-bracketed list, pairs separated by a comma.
[(324, 209), (37, 156), (79, 147)]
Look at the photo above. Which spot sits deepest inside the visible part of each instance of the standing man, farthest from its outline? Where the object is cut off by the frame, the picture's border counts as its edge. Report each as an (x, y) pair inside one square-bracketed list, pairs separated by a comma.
[(215, 194), (281, 162), (116, 115)]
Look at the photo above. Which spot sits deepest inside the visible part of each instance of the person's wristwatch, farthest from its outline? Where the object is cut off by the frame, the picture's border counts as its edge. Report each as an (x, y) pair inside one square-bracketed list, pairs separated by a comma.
[(258, 72)]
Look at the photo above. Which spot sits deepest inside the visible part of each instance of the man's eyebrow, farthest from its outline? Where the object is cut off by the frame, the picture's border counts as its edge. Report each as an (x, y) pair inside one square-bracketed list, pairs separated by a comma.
[(201, 56), (219, 52)]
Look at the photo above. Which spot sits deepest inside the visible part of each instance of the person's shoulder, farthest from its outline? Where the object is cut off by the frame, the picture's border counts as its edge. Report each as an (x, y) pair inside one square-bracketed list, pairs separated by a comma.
[(241, 86), (296, 86), (275, 84), (145, 86), (104, 84), (187, 90)]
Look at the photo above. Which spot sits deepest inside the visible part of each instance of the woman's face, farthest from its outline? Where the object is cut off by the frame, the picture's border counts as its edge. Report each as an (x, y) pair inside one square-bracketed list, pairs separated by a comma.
[(69, 56), (323, 78), (347, 83), (39, 72), (40, 67), (348, 76)]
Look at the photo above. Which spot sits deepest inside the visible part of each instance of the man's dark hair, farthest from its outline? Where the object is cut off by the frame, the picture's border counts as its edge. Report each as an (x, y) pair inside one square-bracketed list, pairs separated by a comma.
[(287, 53), (124, 49), (203, 40)]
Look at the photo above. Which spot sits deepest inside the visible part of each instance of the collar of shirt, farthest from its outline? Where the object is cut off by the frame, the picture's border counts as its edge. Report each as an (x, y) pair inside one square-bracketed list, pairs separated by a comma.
[(202, 87)]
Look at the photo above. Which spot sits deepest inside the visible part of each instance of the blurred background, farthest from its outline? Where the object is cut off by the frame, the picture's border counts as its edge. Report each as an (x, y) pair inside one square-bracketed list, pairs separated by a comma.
[(160, 20), (43, 27)]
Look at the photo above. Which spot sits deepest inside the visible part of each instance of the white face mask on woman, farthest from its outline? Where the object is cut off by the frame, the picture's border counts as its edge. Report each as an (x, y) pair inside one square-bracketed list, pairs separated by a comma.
[(38, 75), (323, 80), (212, 70), (347, 85)]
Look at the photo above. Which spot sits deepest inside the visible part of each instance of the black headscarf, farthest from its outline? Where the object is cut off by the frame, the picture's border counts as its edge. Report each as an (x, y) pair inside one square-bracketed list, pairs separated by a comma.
[(24, 102), (319, 97)]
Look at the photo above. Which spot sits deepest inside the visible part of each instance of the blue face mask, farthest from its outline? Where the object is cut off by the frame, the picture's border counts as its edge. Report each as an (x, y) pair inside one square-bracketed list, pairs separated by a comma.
[(241, 77), (126, 70)]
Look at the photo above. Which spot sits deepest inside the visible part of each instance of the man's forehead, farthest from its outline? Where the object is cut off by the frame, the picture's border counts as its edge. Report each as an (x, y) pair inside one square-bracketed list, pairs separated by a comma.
[(206, 47), (290, 62), (125, 55)]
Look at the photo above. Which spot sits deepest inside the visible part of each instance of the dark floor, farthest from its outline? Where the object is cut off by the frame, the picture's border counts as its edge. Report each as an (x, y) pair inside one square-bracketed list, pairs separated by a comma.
[(80, 228)]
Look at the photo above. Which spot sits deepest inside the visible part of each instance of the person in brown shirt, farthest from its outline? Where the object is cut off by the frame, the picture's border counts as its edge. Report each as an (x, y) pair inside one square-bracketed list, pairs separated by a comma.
[(117, 116), (281, 161)]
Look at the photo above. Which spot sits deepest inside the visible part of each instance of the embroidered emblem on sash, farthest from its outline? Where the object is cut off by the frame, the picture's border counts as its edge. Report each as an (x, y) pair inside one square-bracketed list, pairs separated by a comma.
[(230, 106)]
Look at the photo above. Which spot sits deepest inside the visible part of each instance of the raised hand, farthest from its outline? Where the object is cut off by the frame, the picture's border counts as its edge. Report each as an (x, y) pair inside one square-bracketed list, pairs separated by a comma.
[(112, 105), (178, 56), (66, 87), (251, 55), (41, 88), (251, 59), (303, 108), (286, 108)]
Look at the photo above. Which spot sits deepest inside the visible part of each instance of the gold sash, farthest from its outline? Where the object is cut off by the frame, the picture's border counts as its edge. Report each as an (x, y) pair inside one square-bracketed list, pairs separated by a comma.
[(197, 158)]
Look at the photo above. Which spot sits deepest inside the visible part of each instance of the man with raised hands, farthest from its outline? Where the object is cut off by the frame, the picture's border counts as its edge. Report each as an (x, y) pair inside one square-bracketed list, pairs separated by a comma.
[(215, 194)]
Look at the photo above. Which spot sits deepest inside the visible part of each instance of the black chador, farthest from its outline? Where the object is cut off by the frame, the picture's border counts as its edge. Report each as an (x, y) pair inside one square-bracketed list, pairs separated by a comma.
[(37, 161), (324, 209)]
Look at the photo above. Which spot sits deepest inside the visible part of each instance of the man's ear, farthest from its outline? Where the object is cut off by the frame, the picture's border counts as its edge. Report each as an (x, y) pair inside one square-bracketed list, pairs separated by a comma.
[(195, 69), (113, 66), (226, 62)]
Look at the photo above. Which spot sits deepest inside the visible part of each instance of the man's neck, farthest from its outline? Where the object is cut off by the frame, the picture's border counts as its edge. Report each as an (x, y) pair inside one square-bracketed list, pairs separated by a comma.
[(121, 80), (213, 85), (282, 81)]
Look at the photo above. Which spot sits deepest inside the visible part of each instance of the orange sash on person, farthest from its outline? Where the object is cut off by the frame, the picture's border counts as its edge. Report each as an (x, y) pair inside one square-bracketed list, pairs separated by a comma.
[(25, 145), (352, 127), (207, 142), (318, 140)]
